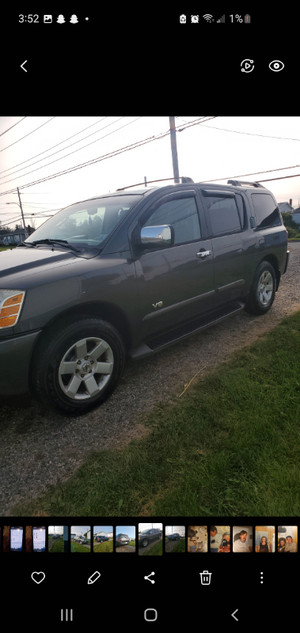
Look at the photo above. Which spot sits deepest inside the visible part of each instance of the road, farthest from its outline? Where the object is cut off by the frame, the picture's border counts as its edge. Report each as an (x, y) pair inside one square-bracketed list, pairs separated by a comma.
[(125, 548), (39, 448)]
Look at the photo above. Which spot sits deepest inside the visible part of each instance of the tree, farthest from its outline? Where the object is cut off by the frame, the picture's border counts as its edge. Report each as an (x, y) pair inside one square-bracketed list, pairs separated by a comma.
[(292, 227)]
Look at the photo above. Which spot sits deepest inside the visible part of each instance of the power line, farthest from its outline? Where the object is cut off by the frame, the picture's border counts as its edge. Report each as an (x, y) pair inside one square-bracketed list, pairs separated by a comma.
[(195, 122), (40, 208), (268, 171), (29, 133), (74, 152), (278, 138), (105, 156), (280, 178), (38, 204), (14, 125), (52, 147), (179, 129), (136, 145), (10, 220), (92, 161)]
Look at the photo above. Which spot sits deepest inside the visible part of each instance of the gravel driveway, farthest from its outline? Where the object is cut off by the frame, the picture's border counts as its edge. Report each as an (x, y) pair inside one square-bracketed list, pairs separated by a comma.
[(39, 448)]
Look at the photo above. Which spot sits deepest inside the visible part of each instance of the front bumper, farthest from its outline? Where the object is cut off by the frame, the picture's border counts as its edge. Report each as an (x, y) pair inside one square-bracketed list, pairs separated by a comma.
[(15, 357)]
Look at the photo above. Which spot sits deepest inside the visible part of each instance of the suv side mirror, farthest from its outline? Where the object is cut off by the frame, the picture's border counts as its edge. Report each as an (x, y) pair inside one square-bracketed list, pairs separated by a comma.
[(252, 222), (157, 236)]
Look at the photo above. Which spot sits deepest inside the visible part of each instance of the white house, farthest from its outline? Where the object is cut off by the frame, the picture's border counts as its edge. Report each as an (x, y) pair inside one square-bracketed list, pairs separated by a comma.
[(285, 207)]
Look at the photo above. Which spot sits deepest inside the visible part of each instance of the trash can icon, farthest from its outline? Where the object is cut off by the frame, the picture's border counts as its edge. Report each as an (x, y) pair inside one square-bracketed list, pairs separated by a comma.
[(205, 577)]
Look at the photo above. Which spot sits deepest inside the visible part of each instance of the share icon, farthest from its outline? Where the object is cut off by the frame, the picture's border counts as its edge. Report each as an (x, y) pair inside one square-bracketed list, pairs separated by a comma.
[(150, 579)]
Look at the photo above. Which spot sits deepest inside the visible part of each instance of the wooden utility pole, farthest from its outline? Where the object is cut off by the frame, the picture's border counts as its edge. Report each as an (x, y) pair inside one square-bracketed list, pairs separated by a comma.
[(174, 148), (22, 212)]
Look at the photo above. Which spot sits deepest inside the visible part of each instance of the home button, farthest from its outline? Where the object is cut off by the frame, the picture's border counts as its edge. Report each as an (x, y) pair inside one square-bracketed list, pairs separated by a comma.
[(150, 615)]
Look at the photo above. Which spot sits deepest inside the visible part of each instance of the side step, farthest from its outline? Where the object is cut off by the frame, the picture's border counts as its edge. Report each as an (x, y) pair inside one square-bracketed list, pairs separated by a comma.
[(188, 328)]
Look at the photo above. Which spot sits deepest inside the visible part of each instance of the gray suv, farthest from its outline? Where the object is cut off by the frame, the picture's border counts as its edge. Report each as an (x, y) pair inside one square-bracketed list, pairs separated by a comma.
[(124, 275)]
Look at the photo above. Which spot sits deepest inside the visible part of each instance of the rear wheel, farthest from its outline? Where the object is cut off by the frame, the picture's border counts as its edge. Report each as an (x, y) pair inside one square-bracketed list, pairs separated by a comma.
[(79, 366), (263, 289)]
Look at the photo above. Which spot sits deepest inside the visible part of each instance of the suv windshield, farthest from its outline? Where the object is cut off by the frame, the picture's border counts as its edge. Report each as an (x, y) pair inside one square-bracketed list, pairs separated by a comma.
[(86, 223)]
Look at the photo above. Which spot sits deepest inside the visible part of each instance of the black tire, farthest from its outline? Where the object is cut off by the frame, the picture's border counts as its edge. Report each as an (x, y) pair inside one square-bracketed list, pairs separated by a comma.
[(79, 366), (263, 289)]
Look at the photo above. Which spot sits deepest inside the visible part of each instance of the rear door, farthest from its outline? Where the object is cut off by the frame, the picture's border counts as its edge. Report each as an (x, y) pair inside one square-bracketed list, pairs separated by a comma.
[(226, 218), (175, 283)]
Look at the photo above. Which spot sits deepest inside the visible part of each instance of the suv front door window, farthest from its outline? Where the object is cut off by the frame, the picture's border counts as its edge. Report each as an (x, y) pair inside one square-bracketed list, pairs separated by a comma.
[(182, 215), (225, 219)]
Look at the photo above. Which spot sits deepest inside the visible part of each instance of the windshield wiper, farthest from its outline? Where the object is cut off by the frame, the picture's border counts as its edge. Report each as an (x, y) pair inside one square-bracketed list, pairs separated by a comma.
[(53, 241), (29, 244)]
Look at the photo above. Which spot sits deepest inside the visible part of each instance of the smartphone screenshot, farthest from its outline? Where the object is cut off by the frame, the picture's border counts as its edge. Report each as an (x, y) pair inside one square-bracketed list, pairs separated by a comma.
[(39, 539), (16, 539), (149, 316)]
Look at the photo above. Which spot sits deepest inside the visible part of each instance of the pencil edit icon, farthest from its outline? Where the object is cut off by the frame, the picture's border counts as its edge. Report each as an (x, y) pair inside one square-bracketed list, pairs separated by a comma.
[(93, 578)]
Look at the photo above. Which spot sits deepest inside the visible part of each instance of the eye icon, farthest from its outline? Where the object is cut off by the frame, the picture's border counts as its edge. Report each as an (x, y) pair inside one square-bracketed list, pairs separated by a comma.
[(276, 65)]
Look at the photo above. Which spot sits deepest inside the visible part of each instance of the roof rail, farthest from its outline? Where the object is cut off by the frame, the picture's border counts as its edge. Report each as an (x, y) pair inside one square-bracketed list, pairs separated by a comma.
[(184, 179), (240, 183)]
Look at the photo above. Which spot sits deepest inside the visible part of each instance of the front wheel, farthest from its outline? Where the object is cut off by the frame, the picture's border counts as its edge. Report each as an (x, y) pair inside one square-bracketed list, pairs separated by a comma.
[(78, 367), (263, 289)]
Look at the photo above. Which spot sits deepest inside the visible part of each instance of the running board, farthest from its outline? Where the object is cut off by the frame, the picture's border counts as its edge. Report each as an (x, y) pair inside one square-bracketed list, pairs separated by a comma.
[(186, 329)]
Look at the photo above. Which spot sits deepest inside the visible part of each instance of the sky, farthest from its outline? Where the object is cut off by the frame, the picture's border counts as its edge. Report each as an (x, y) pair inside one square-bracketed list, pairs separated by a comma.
[(56, 529), (175, 529), (149, 526), (102, 528), (80, 530), (56, 161), (126, 529)]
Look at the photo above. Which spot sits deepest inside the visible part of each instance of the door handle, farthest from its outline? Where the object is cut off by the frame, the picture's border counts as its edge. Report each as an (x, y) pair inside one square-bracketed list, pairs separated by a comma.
[(203, 253)]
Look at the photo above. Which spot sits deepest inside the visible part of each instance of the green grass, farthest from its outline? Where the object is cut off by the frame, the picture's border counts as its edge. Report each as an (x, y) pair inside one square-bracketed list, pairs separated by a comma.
[(56, 545), (229, 446), (178, 547), (106, 546), (154, 549), (78, 548)]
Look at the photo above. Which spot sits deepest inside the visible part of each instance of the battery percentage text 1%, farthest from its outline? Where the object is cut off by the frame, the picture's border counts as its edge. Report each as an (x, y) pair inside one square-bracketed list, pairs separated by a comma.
[(236, 18)]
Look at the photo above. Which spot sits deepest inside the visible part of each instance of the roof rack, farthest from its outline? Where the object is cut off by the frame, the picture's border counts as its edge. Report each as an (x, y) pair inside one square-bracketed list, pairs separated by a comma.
[(240, 183), (183, 179)]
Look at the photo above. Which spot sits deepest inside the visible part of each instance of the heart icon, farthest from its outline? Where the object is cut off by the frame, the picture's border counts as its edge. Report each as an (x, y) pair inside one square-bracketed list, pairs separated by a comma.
[(38, 577)]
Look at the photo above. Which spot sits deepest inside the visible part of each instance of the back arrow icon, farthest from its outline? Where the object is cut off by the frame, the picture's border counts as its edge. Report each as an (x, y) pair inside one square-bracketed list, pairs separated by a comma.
[(22, 66), (233, 615)]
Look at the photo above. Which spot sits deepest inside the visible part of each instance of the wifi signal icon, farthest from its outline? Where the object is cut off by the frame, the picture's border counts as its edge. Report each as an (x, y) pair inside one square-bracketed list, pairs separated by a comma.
[(208, 17)]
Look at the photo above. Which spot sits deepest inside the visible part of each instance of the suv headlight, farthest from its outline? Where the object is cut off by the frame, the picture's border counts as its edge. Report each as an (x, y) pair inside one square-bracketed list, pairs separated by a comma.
[(10, 307)]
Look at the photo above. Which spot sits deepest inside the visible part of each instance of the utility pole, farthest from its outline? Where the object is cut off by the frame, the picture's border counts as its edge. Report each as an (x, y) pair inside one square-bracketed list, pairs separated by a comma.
[(174, 148), (22, 213)]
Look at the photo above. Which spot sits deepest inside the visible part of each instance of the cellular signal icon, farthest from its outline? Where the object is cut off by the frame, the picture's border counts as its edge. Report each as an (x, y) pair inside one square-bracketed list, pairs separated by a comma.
[(222, 19), (208, 17)]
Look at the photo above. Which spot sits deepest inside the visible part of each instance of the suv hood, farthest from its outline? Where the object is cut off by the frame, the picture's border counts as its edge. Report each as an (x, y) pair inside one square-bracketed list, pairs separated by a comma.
[(23, 261)]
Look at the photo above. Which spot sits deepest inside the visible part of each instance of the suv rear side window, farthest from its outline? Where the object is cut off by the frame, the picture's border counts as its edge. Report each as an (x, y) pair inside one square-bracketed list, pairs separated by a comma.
[(223, 214), (265, 210), (182, 214)]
